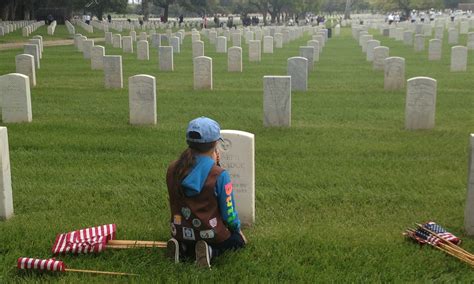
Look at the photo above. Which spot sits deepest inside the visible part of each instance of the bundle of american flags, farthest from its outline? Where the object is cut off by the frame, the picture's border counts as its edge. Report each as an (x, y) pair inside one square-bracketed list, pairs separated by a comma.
[(436, 236), (87, 240), (95, 240), (27, 263)]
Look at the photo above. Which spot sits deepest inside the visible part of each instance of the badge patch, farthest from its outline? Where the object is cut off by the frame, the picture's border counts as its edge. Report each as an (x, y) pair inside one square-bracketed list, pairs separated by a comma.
[(188, 234), (177, 219), (196, 223), (207, 234), (213, 222), (186, 212), (173, 230)]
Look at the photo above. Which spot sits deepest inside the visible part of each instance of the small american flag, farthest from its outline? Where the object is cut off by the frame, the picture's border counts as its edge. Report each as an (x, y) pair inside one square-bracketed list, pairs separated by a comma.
[(426, 237), (442, 233), (41, 264), (87, 240)]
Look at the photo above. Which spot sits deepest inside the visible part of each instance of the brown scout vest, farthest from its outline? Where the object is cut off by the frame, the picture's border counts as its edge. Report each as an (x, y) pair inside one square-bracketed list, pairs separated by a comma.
[(196, 217)]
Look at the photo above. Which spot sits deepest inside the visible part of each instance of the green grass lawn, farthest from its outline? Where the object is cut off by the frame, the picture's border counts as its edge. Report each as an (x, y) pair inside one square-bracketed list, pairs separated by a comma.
[(333, 192)]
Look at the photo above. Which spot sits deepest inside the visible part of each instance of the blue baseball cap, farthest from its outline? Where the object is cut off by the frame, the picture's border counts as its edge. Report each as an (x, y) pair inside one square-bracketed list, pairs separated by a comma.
[(203, 130)]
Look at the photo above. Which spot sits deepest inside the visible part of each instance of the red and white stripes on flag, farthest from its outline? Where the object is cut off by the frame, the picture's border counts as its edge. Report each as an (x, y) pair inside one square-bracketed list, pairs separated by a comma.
[(41, 264), (86, 240)]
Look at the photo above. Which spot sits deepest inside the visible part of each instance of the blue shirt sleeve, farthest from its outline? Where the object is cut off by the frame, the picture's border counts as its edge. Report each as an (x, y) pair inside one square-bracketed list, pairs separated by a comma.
[(225, 198)]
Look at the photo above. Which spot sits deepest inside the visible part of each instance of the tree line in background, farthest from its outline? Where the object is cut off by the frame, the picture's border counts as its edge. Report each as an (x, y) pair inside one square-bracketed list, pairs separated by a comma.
[(274, 10)]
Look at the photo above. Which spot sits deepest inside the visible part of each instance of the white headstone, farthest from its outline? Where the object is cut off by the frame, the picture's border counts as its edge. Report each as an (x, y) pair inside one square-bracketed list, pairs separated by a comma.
[(87, 48), (278, 40), (6, 196), (175, 43), (434, 49), (38, 43), (298, 71), (380, 54), (32, 49), (108, 38), (419, 43), (237, 156), (155, 40), (458, 58), (142, 99), (315, 45), (113, 77), (470, 41), (408, 38), (16, 98), (25, 64), (97, 57), (236, 39), (420, 103), (255, 51), (267, 44), (202, 73), (469, 210), (234, 59), (394, 73), (277, 101), (166, 58), (198, 48), (117, 41), (308, 53), (143, 52), (371, 45), (363, 41), (221, 44), (127, 44), (453, 36)]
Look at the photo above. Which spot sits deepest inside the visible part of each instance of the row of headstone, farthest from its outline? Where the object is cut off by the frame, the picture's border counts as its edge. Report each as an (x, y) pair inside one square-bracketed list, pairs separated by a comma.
[(82, 24), (52, 28), (70, 27), (7, 27), (27, 30)]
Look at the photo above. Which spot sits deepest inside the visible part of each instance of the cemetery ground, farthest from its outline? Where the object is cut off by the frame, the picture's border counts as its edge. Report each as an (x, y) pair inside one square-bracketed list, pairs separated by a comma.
[(333, 192)]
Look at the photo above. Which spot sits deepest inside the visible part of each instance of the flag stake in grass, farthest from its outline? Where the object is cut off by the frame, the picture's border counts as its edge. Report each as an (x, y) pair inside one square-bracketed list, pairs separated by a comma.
[(27, 263)]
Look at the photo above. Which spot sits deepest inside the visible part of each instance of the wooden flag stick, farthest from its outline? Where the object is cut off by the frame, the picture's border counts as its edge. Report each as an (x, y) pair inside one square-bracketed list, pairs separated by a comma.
[(137, 243), (99, 272), (449, 250), (454, 246)]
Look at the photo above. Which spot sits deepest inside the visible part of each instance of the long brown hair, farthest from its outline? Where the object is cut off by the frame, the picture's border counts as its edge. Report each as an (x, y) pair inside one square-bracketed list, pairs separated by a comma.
[(187, 159)]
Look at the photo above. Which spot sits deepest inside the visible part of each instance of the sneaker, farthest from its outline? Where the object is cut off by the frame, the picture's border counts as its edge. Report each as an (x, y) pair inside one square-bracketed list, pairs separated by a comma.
[(172, 250), (203, 259)]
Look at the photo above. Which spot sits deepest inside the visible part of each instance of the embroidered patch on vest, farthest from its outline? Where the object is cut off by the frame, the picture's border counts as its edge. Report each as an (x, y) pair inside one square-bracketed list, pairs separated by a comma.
[(188, 234), (173, 230), (196, 223), (213, 222), (186, 212), (177, 219), (207, 234)]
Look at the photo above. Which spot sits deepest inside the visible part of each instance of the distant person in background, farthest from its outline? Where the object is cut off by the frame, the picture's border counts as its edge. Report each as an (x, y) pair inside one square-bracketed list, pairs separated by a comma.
[(88, 19), (140, 21), (181, 19), (216, 20), (204, 21), (452, 16), (109, 18), (390, 18), (50, 19), (413, 16)]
